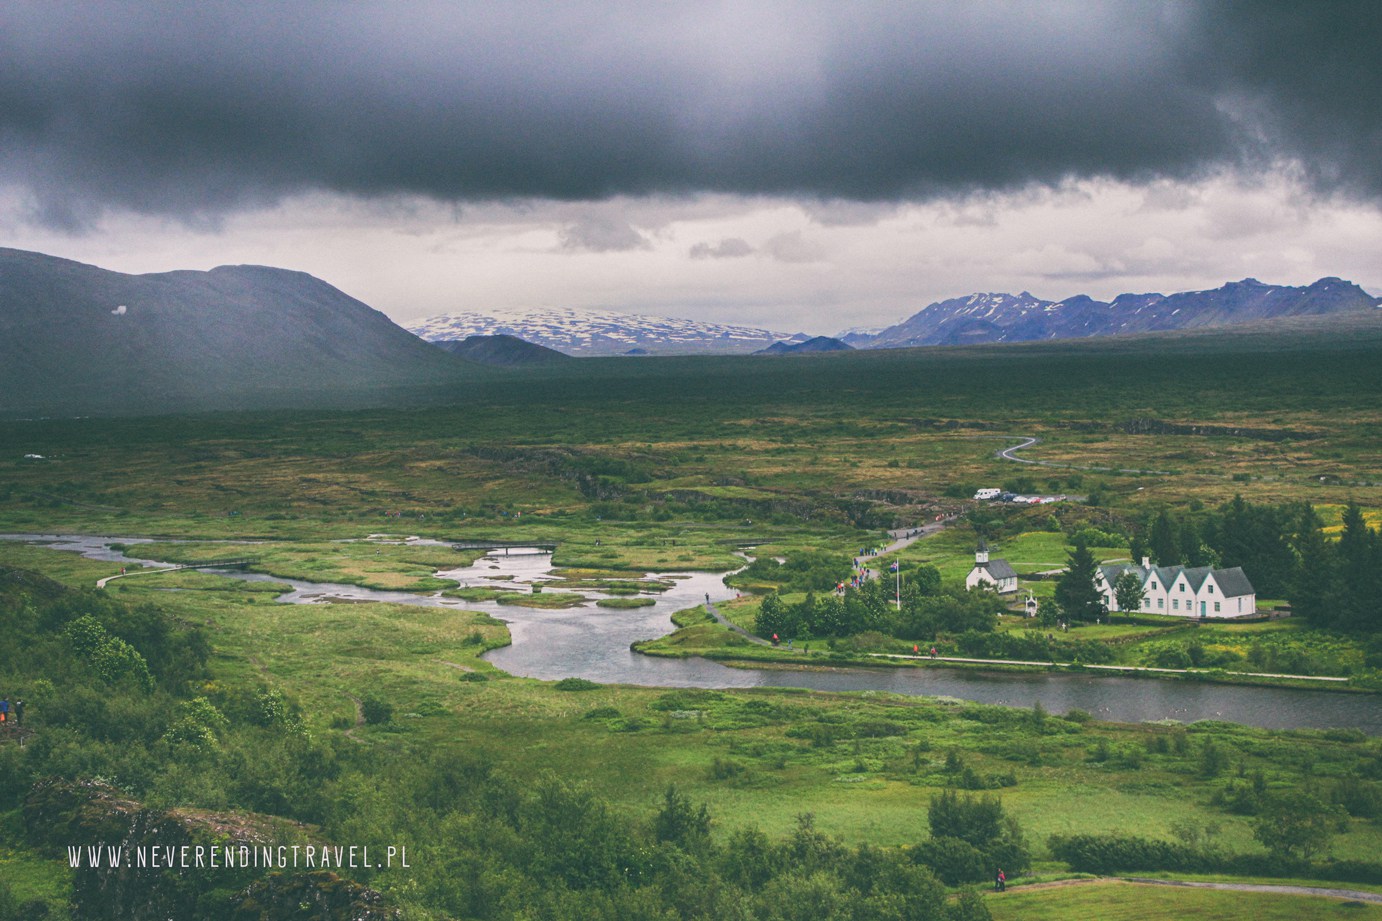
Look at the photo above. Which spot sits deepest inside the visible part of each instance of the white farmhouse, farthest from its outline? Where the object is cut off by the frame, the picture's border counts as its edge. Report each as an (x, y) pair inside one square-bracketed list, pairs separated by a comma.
[(994, 574), (1176, 590)]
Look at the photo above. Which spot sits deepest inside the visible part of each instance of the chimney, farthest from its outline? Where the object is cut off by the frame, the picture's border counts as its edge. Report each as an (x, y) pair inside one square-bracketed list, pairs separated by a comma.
[(1146, 562)]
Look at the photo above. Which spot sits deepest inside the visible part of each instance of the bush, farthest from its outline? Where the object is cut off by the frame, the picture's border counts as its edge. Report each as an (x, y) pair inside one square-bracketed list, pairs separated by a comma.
[(375, 710), (954, 861), (1106, 854), (575, 684)]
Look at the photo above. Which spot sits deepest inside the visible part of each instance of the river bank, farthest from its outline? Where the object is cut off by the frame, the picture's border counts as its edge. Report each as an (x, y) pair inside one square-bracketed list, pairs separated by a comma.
[(611, 646)]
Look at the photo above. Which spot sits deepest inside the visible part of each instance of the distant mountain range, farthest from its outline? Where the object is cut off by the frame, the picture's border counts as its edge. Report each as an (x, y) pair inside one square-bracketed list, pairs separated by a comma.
[(602, 332), (975, 318), (1023, 317), (76, 338)]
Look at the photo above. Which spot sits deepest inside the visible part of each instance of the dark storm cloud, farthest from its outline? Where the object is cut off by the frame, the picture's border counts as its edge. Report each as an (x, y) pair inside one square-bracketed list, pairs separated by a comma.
[(199, 108), (1308, 78)]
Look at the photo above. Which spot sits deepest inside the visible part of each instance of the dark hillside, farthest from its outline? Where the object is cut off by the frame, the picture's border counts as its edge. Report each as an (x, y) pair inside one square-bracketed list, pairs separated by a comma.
[(233, 337), (502, 351)]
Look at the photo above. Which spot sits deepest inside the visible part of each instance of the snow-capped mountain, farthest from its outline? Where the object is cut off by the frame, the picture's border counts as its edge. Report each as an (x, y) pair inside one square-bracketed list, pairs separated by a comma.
[(1023, 317), (599, 332)]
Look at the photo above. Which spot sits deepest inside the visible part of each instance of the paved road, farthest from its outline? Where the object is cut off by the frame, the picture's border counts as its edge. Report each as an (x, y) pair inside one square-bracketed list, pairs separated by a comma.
[(1028, 441)]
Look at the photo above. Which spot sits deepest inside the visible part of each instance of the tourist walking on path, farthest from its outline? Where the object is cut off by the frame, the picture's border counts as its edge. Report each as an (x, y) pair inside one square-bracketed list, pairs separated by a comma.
[(1000, 882)]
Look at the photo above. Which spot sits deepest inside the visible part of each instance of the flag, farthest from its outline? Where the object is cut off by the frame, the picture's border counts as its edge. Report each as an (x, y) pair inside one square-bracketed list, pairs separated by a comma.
[(894, 565)]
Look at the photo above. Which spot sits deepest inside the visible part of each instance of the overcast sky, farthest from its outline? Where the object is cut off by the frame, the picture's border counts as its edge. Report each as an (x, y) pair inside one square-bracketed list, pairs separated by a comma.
[(807, 166)]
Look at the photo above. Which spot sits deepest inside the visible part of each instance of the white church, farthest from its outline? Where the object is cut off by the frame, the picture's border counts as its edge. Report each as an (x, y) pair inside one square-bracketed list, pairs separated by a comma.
[(995, 574), (1178, 591)]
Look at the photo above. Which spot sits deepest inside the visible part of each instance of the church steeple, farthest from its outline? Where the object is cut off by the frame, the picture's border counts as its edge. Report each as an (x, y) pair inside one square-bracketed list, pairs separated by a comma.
[(981, 553)]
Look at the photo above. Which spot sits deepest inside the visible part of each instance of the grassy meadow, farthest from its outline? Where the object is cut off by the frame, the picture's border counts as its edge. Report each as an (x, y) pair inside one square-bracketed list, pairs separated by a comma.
[(675, 464)]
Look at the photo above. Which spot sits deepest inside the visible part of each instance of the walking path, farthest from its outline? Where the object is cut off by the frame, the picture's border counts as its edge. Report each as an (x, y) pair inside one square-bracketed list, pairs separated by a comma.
[(1110, 668), (1321, 891), (222, 564), (725, 622), (1328, 892), (101, 583), (905, 537)]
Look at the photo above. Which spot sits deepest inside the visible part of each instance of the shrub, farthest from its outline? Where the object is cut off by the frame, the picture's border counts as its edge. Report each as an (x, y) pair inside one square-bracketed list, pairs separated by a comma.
[(724, 769), (1105, 854), (575, 684), (376, 710), (953, 860)]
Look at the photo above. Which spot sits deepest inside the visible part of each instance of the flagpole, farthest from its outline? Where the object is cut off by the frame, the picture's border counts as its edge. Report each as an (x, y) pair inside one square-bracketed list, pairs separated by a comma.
[(898, 597)]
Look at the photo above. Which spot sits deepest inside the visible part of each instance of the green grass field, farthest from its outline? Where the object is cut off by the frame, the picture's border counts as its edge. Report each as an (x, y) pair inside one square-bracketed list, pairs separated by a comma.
[(672, 465)]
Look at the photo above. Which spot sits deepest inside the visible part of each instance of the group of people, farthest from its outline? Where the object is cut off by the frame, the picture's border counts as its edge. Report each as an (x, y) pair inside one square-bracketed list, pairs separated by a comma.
[(11, 714), (859, 573)]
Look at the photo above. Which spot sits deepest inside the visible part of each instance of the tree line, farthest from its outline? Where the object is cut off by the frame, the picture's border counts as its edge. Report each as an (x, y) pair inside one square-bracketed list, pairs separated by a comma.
[(1283, 548)]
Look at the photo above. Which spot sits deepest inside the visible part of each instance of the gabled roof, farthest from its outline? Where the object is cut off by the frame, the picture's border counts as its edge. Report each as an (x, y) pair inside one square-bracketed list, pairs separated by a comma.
[(1168, 574), (1233, 582), (1196, 577), (999, 569)]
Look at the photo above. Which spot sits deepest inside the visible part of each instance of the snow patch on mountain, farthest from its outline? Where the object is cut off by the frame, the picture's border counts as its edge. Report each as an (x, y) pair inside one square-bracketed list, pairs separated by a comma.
[(590, 332)]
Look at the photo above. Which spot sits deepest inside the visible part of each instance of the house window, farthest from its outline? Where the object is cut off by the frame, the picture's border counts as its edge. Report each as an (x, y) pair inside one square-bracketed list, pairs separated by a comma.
[(1216, 607), (1161, 602), (1175, 604), (1210, 588), (1147, 604)]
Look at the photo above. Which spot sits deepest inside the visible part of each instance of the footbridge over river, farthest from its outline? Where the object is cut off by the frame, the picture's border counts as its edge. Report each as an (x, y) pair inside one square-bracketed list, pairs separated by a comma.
[(507, 547)]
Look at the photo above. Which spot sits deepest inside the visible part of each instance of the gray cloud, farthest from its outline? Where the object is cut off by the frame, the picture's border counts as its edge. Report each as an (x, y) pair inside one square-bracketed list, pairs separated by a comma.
[(793, 247), (602, 234), (728, 248), (196, 110)]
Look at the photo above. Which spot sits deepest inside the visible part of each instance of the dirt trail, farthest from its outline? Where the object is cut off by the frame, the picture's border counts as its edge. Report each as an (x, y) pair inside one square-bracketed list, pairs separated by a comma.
[(359, 719)]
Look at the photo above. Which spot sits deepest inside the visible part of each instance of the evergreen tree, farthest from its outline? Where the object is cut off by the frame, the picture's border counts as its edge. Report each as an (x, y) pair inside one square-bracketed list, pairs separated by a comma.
[(1314, 589), (1162, 541), (1077, 597), (1358, 561), (1138, 550), (1193, 551)]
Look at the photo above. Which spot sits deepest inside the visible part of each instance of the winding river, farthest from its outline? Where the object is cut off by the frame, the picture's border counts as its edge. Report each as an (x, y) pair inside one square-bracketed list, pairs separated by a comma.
[(593, 642)]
